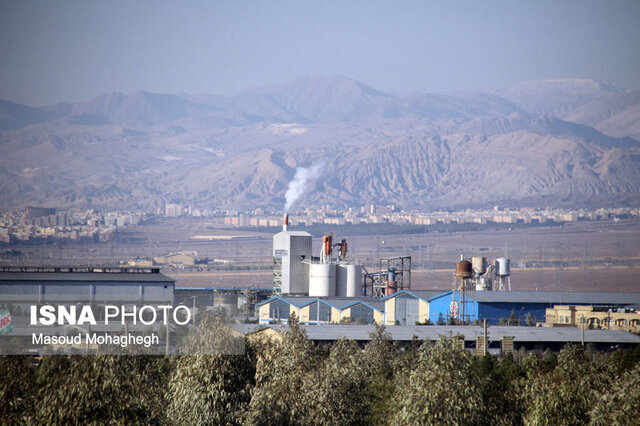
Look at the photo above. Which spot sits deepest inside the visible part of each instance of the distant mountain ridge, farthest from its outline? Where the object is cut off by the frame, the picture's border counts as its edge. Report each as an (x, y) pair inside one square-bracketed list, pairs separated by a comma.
[(564, 142)]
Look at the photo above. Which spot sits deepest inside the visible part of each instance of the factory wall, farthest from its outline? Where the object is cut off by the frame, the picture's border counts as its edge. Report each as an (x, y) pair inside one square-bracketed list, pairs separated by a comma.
[(336, 314), (405, 309), (277, 309), (320, 312), (439, 305), (362, 312), (290, 246), (493, 312), (390, 311), (43, 291)]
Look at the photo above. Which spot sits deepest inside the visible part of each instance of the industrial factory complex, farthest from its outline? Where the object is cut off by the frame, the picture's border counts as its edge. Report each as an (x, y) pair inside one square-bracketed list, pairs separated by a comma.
[(333, 294)]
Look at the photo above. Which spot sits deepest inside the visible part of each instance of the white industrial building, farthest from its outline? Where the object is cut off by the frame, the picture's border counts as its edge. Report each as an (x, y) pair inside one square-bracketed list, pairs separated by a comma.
[(297, 272)]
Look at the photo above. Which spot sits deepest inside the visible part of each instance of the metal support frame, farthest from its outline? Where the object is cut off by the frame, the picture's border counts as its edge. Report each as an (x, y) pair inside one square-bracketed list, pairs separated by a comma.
[(376, 283), (277, 276), (466, 307)]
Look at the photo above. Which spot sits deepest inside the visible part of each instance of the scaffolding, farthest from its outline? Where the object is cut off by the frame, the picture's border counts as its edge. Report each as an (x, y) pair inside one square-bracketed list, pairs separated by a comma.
[(394, 275), (462, 307), (277, 276)]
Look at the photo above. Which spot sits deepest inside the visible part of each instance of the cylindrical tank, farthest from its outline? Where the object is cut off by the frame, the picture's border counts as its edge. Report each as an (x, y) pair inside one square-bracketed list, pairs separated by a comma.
[(479, 265), (322, 280), (463, 269), (354, 280), (503, 267), (348, 280), (341, 280), (391, 282)]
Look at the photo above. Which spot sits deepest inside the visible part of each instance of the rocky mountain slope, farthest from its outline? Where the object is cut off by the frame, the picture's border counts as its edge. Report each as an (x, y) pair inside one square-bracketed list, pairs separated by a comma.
[(558, 142)]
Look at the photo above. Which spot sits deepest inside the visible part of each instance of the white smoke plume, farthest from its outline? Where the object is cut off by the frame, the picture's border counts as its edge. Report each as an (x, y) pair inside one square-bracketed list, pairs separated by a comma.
[(298, 185)]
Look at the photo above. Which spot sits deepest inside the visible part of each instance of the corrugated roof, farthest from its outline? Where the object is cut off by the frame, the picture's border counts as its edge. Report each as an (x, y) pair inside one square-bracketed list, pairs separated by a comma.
[(336, 302), (377, 304), (298, 301), (331, 332), (422, 294), (37, 277), (557, 297)]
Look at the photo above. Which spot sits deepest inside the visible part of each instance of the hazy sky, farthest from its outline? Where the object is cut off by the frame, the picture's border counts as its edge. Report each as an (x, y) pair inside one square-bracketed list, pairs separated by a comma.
[(73, 50)]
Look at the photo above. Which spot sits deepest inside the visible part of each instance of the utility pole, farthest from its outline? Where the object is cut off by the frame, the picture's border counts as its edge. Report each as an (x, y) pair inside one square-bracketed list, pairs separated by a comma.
[(167, 348), (484, 327), (582, 322)]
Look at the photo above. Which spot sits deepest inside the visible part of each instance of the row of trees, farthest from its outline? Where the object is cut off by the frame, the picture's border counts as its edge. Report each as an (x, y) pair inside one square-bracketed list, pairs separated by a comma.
[(290, 381)]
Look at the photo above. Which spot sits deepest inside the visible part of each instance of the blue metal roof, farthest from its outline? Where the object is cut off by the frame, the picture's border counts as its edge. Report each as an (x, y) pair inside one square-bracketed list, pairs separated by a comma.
[(556, 297)]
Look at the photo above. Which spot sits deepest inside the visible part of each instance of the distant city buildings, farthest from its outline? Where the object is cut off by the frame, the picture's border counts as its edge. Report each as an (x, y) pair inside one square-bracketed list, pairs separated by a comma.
[(34, 224), (23, 226), (389, 214)]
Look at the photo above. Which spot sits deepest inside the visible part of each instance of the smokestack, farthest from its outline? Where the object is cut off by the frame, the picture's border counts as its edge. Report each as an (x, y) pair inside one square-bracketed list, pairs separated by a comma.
[(285, 222)]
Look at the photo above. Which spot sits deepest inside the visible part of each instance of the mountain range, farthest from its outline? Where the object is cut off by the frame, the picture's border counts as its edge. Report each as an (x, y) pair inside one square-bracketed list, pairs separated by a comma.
[(568, 142)]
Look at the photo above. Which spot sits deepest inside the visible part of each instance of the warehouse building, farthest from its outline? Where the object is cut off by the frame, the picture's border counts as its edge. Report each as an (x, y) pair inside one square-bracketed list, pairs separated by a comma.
[(94, 285), (497, 305), (21, 287), (409, 307), (501, 338), (314, 310)]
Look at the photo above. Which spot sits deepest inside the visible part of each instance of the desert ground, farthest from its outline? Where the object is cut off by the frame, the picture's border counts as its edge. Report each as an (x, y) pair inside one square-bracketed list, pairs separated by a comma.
[(589, 256)]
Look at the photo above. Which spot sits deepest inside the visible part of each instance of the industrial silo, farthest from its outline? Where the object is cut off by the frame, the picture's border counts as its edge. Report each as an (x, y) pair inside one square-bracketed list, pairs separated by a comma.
[(503, 267), (322, 280), (348, 280), (479, 265), (503, 272), (464, 269)]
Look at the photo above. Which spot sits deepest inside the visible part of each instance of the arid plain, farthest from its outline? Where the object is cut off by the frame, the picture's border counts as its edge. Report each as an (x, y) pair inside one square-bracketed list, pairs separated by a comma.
[(586, 256)]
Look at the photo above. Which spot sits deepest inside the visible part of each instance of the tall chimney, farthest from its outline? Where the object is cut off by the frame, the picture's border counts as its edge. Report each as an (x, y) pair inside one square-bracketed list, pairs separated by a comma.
[(285, 222)]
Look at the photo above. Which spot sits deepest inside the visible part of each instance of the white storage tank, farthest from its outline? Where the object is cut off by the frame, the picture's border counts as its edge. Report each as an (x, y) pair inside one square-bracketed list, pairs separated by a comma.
[(341, 280), (503, 267), (354, 280), (349, 280), (322, 280)]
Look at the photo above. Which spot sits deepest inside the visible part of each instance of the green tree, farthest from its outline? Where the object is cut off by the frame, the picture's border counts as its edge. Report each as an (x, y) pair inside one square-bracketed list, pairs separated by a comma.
[(90, 389), (211, 385), (281, 369), (335, 391), (378, 366), (621, 405), (443, 388), (501, 386), (529, 321), (16, 389), (565, 395)]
